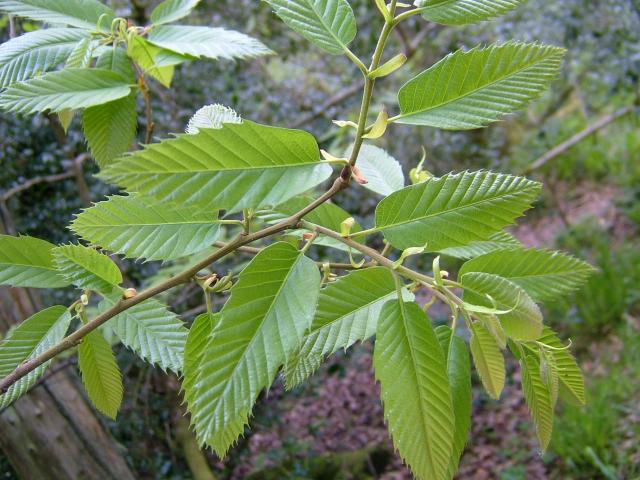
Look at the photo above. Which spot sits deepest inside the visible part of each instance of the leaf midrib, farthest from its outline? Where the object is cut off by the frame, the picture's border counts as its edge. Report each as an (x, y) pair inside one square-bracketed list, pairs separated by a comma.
[(327, 26), (211, 171)]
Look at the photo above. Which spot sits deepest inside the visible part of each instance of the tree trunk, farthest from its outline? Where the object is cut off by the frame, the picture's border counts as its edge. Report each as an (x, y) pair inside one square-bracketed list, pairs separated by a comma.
[(52, 433)]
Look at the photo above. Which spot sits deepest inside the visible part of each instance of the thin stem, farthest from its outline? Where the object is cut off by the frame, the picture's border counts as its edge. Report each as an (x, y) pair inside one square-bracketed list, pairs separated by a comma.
[(354, 58), (409, 13), (364, 233)]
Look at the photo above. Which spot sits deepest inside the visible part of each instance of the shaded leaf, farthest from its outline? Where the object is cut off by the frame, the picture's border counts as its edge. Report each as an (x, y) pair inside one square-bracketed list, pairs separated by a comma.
[(87, 268), (28, 262), (488, 360), (497, 241), (569, 374), (538, 399)]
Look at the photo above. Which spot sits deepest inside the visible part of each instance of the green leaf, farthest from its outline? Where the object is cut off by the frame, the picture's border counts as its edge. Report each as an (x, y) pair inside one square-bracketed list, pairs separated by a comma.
[(569, 374), (110, 128), (497, 241), (410, 366), (239, 166), (66, 89), (538, 399), (348, 311), (212, 116), (34, 53), (116, 60), (523, 320), (197, 340), (261, 326), (87, 268), (207, 42), (28, 340), (544, 275), (382, 172), (139, 227), (488, 360), (76, 13), (461, 12), (100, 374), (454, 210), (152, 331), (459, 373), (154, 61), (28, 262), (327, 215), (329, 24), (172, 10), (468, 90)]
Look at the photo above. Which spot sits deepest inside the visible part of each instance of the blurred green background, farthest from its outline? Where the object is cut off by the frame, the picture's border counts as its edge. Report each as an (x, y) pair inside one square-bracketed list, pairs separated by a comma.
[(333, 427)]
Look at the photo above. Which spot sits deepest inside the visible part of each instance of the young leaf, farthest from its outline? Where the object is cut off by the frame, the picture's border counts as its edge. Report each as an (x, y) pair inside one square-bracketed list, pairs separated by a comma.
[(497, 241), (207, 42), (569, 374), (329, 24), (77, 13), (66, 89), (28, 262), (110, 128), (155, 61), (523, 320), (538, 399), (459, 371), (172, 10), (152, 331), (197, 339), (488, 360), (139, 227), (461, 12), (239, 166), (348, 311), (261, 326), (212, 116), (87, 268), (100, 374), (382, 172), (411, 369), (454, 210), (116, 60), (34, 53), (28, 340), (468, 90), (544, 275)]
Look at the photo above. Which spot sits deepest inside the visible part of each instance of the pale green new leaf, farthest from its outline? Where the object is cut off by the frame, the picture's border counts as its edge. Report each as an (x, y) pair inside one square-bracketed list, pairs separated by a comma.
[(461, 12), (329, 24), (139, 227), (454, 210), (239, 166), (212, 116), (544, 275), (458, 363), (28, 262), (348, 311), (152, 331), (207, 42), (87, 268), (155, 61), (497, 241), (172, 10), (523, 320), (28, 340), (34, 53), (382, 172), (468, 90), (67, 89), (261, 326), (110, 128), (488, 360), (569, 374), (77, 13), (410, 366), (100, 374), (538, 399), (197, 340)]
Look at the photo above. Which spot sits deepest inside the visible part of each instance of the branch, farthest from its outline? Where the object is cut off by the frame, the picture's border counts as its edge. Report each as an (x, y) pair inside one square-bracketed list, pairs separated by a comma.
[(184, 277), (577, 138)]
